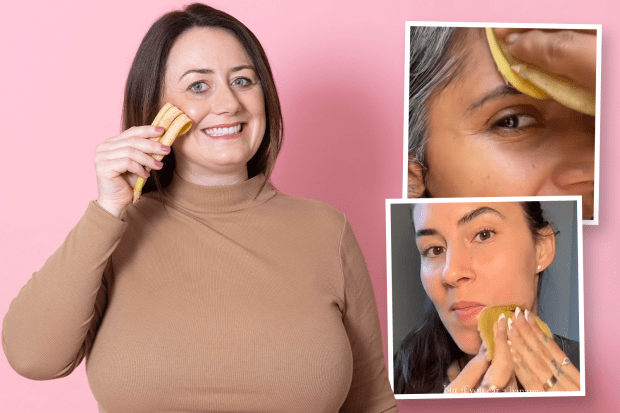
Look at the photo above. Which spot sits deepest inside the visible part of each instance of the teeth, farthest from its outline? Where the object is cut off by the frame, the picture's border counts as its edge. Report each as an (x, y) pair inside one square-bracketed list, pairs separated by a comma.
[(224, 131)]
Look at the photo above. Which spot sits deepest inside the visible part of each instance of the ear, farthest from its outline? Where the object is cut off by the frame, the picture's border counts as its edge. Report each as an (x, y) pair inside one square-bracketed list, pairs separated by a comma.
[(545, 249), (415, 178)]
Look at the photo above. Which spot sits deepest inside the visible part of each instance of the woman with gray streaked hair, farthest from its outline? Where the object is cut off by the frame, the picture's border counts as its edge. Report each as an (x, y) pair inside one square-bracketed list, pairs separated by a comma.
[(473, 134)]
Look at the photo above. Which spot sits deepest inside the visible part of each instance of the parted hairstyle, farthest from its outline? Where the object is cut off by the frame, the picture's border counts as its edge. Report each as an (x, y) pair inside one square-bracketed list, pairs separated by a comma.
[(145, 84), (421, 364)]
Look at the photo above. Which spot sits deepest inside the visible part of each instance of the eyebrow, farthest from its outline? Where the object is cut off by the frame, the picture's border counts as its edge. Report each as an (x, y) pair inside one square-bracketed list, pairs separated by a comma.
[(465, 219), (501, 91), (425, 231), (479, 211), (209, 71)]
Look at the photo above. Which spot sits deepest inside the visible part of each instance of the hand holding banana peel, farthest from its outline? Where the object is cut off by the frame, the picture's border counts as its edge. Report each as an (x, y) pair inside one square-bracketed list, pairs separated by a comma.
[(556, 64), (175, 123), (121, 160)]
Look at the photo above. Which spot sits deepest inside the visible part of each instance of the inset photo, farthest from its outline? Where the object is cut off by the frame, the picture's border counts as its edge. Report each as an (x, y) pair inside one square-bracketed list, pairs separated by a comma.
[(485, 297), (502, 110)]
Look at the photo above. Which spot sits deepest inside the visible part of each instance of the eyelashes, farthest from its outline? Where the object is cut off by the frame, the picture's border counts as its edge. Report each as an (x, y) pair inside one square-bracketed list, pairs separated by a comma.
[(482, 236), (200, 87), (194, 87), (516, 121), (432, 252)]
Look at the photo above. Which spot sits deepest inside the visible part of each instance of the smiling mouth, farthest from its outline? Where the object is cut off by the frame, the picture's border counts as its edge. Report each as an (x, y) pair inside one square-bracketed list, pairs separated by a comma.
[(225, 131)]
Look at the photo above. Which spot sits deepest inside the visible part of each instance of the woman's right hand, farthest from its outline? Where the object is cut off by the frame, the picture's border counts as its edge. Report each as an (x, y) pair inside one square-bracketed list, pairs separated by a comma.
[(569, 53), (120, 160)]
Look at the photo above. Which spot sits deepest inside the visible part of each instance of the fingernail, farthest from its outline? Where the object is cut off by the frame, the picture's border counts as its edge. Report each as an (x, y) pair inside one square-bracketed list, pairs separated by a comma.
[(510, 324), (527, 315), (511, 38), (159, 128), (158, 164), (509, 342), (501, 317), (517, 312), (165, 148)]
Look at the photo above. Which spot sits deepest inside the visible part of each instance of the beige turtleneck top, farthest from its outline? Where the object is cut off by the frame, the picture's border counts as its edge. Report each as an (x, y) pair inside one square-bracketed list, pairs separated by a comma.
[(220, 299)]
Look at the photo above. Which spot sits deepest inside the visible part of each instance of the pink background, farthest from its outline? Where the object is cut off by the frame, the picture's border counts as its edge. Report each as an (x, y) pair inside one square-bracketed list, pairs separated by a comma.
[(339, 70)]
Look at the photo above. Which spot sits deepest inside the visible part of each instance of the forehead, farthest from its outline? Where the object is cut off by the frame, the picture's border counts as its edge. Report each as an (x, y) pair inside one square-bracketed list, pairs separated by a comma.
[(452, 215), (478, 72), (206, 48)]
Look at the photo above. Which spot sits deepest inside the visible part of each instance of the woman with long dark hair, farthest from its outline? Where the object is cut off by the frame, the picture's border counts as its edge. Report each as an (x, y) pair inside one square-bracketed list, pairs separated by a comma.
[(477, 255), (216, 292)]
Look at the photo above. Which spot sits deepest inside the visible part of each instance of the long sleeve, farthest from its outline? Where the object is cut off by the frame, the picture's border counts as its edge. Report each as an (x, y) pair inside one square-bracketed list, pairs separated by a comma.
[(370, 388), (52, 322)]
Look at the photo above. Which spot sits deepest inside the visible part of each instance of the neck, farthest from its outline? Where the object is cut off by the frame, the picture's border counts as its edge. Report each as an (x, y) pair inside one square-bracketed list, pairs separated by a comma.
[(200, 176)]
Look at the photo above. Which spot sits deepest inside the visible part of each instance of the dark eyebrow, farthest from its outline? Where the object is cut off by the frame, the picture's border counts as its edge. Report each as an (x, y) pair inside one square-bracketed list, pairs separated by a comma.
[(479, 211), (201, 71), (422, 232), (209, 71), (499, 92)]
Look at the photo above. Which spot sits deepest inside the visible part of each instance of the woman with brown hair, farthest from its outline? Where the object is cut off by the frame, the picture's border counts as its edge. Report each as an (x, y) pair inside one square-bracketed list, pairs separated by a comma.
[(216, 293)]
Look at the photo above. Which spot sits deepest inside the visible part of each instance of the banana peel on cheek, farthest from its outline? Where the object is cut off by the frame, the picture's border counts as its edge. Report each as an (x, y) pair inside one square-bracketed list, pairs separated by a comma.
[(488, 317), (175, 124), (538, 83)]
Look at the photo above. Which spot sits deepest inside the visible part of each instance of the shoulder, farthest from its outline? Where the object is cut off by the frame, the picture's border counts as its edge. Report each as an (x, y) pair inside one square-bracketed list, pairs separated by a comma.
[(307, 210)]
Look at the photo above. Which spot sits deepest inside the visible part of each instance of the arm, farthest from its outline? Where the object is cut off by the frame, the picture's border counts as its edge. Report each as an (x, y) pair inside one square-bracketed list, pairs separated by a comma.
[(52, 322), (370, 388)]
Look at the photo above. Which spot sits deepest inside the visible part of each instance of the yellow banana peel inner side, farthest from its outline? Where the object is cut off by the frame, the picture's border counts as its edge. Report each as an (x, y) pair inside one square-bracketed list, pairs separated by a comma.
[(488, 317), (537, 83)]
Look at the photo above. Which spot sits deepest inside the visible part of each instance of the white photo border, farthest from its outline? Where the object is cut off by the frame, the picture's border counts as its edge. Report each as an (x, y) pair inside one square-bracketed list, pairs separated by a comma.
[(388, 226), (597, 120)]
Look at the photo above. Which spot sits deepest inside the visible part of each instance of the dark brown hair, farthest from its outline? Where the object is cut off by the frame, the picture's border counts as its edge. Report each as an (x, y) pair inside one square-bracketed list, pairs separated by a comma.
[(145, 83)]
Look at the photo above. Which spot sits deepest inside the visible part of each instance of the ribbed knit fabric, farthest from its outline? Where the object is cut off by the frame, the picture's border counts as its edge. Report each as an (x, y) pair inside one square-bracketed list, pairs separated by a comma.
[(222, 299)]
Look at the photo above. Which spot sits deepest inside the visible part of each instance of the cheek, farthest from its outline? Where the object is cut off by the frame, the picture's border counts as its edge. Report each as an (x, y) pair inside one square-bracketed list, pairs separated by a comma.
[(506, 277), (195, 109), (431, 281), (474, 166), (255, 105)]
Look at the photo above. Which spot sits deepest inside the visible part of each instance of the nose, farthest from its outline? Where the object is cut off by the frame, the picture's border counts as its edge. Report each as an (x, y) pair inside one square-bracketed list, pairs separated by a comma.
[(574, 177), (225, 101), (574, 171), (457, 269)]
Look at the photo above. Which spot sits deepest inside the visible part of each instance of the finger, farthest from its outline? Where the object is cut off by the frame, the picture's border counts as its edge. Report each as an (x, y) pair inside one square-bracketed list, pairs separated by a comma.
[(512, 385), (556, 358), (534, 360), (115, 167), (471, 375), (146, 131), (503, 32), (567, 53), (528, 346), (526, 377), (502, 360), (145, 145), (131, 153)]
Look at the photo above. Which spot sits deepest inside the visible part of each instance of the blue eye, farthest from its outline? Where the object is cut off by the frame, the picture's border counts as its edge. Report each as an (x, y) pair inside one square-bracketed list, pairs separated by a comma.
[(242, 81), (198, 87)]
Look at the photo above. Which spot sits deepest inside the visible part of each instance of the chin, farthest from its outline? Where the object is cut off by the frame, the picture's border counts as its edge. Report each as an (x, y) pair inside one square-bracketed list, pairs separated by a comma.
[(467, 344)]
